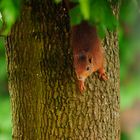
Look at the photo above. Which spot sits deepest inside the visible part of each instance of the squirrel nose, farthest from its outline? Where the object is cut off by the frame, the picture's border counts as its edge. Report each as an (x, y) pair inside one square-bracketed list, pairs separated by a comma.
[(81, 78)]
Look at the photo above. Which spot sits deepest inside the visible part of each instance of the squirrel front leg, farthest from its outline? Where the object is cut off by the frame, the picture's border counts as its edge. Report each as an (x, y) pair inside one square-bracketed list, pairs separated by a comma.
[(102, 74), (101, 70), (81, 85)]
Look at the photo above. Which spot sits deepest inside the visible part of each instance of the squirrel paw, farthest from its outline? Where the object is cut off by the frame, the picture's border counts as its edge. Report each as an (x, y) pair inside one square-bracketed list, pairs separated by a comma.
[(103, 76), (81, 86)]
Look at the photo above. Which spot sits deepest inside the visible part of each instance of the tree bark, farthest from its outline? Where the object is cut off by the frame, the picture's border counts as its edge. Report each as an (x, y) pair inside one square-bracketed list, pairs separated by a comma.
[(46, 104)]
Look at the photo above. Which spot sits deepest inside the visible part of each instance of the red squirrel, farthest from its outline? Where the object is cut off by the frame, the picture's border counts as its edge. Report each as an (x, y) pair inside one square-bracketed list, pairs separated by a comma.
[(88, 53)]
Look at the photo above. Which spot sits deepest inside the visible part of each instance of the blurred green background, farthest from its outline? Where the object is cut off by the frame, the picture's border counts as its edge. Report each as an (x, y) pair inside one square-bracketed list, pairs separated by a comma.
[(129, 43), (5, 114)]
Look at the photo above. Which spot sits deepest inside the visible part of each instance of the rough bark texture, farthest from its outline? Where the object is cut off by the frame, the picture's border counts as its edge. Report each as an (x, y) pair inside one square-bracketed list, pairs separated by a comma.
[(45, 102)]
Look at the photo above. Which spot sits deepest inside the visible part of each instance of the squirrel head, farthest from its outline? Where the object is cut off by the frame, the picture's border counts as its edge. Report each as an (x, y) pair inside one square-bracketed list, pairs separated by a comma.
[(83, 64)]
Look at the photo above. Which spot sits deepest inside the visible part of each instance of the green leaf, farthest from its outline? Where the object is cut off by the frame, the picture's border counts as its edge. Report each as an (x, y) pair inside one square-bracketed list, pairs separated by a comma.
[(128, 11), (96, 12), (101, 13), (85, 8), (57, 1), (10, 11), (101, 29), (75, 15), (1, 23)]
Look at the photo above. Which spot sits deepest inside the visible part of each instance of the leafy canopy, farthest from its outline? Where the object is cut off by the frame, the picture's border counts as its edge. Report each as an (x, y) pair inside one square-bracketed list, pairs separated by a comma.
[(9, 11), (97, 12)]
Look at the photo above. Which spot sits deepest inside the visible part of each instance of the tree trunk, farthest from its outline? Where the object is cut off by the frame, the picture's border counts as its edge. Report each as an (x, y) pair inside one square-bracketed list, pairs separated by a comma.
[(46, 104)]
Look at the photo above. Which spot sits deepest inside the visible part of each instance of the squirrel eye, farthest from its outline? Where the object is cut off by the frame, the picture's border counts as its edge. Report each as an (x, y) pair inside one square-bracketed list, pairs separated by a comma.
[(82, 57), (87, 68)]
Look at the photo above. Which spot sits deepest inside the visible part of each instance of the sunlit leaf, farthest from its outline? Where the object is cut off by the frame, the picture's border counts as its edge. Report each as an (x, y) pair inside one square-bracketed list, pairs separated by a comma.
[(57, 1), (101, 29), (101, 13), (10, 11), (75, 15), (85, 8)]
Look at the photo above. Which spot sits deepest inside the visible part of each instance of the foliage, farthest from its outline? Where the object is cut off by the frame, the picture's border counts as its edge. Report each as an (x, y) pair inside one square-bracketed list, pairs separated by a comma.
[(99, 12), (5, 116), (129, 43), (9, 11), (5, 119), (3, 76), (2, 58)]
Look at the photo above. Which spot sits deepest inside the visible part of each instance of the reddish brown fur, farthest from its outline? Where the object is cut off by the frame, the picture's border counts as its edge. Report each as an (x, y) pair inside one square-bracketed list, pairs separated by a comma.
[(84, 40), (87, 51)]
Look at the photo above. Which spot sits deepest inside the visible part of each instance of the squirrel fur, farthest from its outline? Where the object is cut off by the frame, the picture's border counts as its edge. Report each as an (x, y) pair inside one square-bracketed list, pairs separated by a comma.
[(88, 53)]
